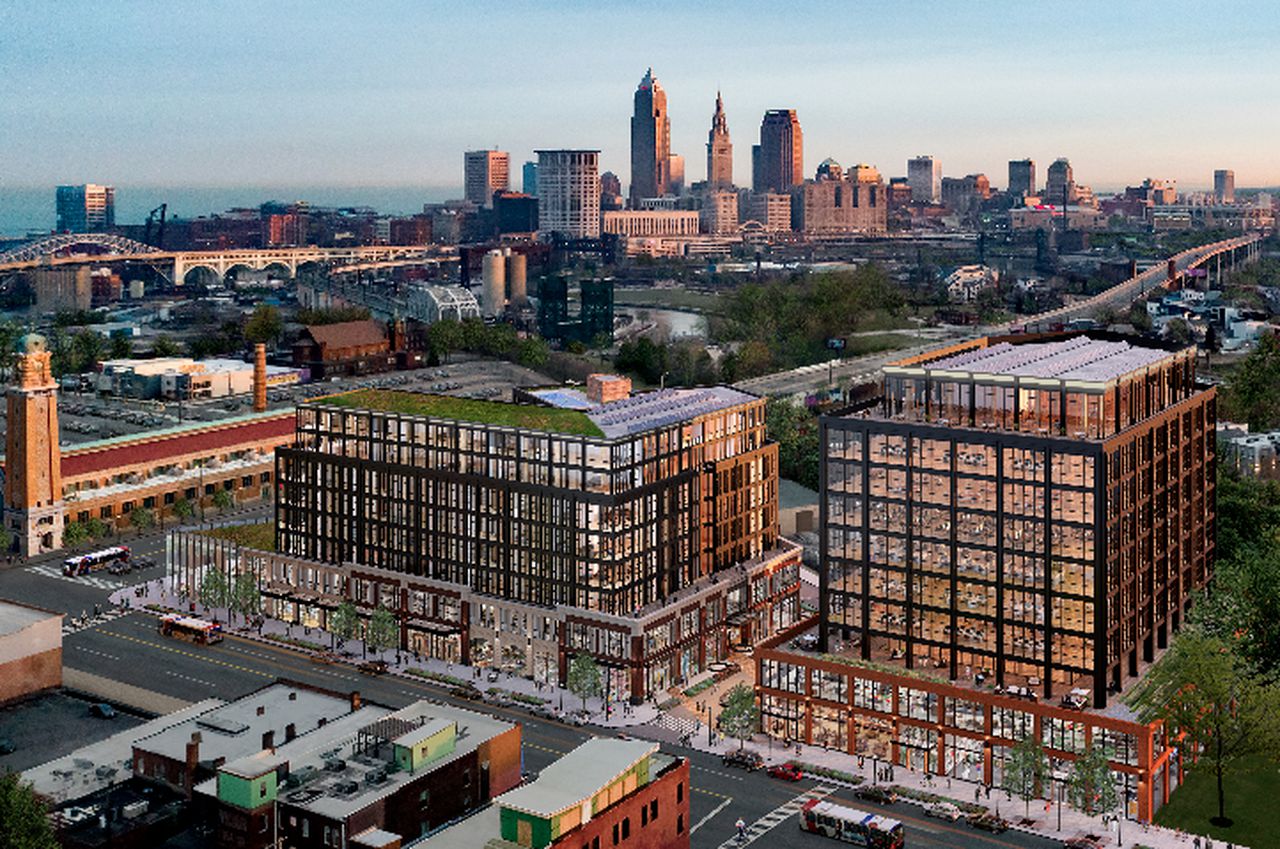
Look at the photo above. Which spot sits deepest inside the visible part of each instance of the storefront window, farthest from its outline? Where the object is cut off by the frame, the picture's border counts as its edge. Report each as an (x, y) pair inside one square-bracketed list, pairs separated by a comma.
[(917, 704), (872, 695), (1011, 724), (830, 728), (832, 686), (965, 714)]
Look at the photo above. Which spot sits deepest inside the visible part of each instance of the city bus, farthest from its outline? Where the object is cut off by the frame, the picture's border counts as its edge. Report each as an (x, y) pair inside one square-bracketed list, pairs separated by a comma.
[(83, 564), (852, 826), (199, 631)]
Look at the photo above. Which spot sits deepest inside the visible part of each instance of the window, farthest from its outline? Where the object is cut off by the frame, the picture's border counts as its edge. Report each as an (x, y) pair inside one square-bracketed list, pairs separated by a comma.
[(189, 493), (105, 512), (170, 497), (679, 823), (246, 481), (306, 827), (424, 797), (326, 836), (626, 827), (126, 507), (615, 834), (644, 815), (653, 809), (680, 792), (149, 502), (262, 790)]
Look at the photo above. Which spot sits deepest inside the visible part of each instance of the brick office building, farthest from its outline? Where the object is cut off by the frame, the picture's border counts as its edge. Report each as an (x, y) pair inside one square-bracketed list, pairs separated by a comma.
[(1012, 521)]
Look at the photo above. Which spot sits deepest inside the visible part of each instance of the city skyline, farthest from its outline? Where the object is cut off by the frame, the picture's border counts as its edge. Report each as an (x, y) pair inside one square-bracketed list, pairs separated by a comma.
[(192, 112)]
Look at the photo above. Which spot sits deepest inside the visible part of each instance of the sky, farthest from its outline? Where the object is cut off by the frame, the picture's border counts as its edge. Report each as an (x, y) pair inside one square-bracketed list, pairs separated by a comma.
[(392, 93)]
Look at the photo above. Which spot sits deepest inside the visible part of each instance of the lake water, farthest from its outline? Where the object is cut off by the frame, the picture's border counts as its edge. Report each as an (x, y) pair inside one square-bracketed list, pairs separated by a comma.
[(678, 322)]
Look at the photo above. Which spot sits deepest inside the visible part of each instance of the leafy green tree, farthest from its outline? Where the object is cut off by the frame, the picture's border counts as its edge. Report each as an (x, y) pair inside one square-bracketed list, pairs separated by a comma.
[(24, 821), (740, 717), (142, 519), (1252, 394), (164, 346), (87, 348), (584, 678), (1091, 787), (344, 622), (95, 528), (215, 589), (264, 325), (1205, 690), (10, 333), (444, 338), (121, 346), (1025, 770), (183, 510), (223, 500), (383, 632), (6, 539), (795, 429), (74, 533), (246, 598)]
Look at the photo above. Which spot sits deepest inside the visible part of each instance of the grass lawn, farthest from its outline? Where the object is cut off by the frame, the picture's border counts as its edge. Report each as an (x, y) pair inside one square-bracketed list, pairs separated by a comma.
[(260, 536), (677, 299), (466, 409), (1250, 799)]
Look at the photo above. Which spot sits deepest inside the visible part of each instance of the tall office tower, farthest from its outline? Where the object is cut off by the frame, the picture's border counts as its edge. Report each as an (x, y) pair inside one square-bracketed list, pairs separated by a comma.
[(1058, 180), (675, 174), (85, 209), (777, 163), (1224, 186), (719, 151), (569, 193), (487, 171), (650, 142), (33, 508), (924, 175), (1022, 177), (529, 179)]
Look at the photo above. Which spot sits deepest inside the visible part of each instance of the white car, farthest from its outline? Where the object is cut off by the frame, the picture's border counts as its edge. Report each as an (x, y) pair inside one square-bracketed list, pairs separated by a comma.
[(943, 811)]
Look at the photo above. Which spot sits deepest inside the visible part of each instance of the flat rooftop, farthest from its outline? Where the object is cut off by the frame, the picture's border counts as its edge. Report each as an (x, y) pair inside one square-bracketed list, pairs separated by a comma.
[(15, 617), (235, 730), (577, 776), (645, 410), (1080, 358)]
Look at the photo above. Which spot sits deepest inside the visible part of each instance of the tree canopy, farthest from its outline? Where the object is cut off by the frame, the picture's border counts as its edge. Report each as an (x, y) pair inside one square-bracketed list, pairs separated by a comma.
[(740, 717), (584, 678), (23, 820), (1252, 394), (1025, 769)]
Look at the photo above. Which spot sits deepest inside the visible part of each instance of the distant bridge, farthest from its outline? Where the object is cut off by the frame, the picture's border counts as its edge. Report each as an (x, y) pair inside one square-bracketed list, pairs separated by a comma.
[(53, 251)]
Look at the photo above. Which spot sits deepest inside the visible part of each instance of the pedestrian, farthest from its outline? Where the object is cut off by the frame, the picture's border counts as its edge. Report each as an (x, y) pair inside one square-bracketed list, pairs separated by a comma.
[(1196, 842), (988, 792), (741, 827), (977, 792)]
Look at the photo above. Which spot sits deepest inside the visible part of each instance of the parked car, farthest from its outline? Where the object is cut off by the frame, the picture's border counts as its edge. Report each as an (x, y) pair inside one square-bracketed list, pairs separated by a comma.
[(102, 710), (743, 759), (324, 657), (877, 794), (987, 821), (943, 811), (373, 667), (7, 746), (1084, 841), (468, 692), (787, 771)]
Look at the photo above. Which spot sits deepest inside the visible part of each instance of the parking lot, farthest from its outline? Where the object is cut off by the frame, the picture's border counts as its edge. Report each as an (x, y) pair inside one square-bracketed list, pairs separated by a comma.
[(50, 726)]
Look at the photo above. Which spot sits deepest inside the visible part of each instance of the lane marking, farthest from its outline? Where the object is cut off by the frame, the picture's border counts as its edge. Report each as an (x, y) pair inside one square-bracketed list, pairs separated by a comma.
[(778, 815), (79, 647), (928, 825), (711, 815), (174, 650), (716, 772), (711, 793)]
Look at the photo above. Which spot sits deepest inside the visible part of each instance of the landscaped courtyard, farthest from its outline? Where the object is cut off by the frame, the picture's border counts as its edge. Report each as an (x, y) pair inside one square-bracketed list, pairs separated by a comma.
[(1251, 799)]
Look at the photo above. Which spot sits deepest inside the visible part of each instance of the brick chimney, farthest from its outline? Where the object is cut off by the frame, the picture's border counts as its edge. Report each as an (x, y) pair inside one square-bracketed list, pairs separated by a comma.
[(260, 378), (269, 739), (607, 388)]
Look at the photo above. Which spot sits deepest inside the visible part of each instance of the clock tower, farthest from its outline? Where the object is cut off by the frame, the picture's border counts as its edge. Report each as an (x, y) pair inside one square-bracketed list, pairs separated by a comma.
[(33, 508)]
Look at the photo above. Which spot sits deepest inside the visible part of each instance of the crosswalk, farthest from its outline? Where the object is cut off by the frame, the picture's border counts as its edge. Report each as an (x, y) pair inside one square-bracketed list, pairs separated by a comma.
[(778, 815), (50, 570), (72, 625)]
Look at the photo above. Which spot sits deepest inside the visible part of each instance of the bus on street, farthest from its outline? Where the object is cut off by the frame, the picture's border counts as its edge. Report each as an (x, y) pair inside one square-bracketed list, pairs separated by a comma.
[(199, 631), (83, 564), (850, 825)]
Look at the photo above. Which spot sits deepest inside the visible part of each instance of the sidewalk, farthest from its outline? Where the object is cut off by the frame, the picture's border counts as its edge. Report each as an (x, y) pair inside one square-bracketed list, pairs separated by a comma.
[(548, 700)]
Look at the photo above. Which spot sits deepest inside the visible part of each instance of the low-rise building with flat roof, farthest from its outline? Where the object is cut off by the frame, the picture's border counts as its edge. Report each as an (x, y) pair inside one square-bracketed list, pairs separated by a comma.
[(30, 650)]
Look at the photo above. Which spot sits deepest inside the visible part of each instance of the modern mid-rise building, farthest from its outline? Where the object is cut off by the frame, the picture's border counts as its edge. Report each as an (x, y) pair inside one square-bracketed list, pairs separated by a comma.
[(641, 529), (650, 141), (529, 179), (569, 193), (485, 172), (1059, 183), (1224, 186), (85, 209), (1022, 178), (1010, 533), (719, 150), (924, 175), (772, 210), (777, 163)]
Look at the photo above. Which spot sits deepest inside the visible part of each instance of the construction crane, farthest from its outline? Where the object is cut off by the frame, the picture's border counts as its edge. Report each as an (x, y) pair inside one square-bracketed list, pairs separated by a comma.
[(159, 242)]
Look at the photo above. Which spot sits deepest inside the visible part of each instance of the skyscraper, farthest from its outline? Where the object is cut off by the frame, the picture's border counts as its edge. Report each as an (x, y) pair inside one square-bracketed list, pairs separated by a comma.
[(487, 171), (569, 193), (1224, 186), (675, 174), (924, 175), (529, 179), (777, 163), (719, 151), (1058, 180), (650, 141), (1022, 177), (85, 209)]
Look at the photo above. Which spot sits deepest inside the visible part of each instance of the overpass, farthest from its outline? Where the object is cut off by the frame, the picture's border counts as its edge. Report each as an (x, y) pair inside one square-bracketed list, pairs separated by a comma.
[(56, 251)]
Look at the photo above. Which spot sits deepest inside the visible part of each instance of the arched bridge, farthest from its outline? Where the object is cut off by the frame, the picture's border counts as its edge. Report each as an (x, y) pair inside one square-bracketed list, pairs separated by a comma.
[(51, 251)]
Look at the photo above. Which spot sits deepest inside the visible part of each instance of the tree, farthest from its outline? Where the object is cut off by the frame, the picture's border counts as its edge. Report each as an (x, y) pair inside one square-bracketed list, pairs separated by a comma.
[(795, 429), (215, 590), (584, 678), (183, 510), (740, 717), (95, 528), (246, 598), (121, 346), (24, 821), (6, 539), (142, 519), (265, 325), (1091, 787), (1203, 689), (344, 621), (10, 333), (1025, 770), (223, 500), (165, 347), (1179, 332), (87, 348), (74, 534), (383, 631), (1252, 394)]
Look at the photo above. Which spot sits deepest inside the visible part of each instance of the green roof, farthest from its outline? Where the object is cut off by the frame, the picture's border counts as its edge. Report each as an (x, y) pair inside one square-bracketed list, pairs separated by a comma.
[(527, 416)]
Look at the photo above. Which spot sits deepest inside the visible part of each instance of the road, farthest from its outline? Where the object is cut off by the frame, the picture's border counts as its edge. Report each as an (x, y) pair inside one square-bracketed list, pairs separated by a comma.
[(127, 648)]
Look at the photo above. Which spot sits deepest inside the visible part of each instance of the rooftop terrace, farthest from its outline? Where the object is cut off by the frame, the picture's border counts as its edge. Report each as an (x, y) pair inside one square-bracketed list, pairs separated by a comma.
[(1079, 358), (527, 416)]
